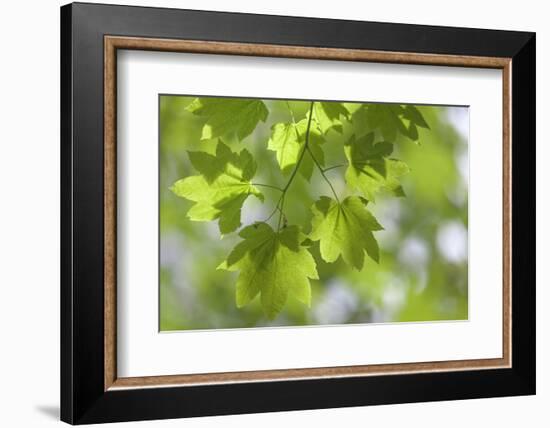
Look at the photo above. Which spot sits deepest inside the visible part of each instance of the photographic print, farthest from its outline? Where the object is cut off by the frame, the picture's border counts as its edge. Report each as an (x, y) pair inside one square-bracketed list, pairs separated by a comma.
[(282, 212), (323, 201)]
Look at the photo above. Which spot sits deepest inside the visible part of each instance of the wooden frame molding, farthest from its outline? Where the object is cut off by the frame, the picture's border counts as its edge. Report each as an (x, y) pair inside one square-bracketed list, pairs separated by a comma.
[(113, 43)]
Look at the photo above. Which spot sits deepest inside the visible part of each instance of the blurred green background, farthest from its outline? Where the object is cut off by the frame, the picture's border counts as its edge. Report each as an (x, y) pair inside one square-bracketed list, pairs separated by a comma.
[(423, 270)]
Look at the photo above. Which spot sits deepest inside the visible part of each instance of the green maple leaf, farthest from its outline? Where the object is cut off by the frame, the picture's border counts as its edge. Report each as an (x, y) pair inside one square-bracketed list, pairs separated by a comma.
[(307, 165), (221, 189), (272, 264), (411, 113), (370, 170), (328, 115), (345, 229), (228, 116), (285, 140), (288, 140), (416, 120), (386, 118), (389, 120)]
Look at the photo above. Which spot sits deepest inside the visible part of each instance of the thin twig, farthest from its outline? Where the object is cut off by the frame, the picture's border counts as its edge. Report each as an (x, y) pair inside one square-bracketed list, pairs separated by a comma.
[(290, 110), (273, 213), (345, 164), (316, 162), (334, 167), (291, 178), (267, 185)]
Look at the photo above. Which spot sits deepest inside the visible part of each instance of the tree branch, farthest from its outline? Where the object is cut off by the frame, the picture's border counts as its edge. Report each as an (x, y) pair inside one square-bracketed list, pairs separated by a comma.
[(316, 162), (267, 185), (281, 202)]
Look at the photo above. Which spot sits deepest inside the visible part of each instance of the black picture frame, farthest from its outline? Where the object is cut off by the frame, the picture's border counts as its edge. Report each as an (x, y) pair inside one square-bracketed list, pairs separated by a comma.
[(83, 396)]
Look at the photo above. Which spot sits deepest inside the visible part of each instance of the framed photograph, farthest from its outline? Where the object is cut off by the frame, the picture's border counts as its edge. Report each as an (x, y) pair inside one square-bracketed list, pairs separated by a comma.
[(265, 213)]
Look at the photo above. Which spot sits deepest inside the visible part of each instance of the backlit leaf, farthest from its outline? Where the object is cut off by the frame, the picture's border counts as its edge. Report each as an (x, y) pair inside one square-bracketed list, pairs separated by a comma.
[(345, 229), (328, 115), (389, 120), (227, 116), (413, 114), (272, 264), (288, 140), (221, 189), (370, 170)]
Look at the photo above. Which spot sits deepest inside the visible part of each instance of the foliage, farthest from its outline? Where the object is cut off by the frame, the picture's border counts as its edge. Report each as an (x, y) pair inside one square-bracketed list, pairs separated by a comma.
[(275, 262), (345, 229), (221, 188), (228, 116), (370, 168)]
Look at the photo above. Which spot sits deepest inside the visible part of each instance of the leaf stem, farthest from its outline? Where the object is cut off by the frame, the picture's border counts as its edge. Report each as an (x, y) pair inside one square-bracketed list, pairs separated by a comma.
[(281, 203), (316, 162), (345, 164), (272, 213), (267, 185), (290, 110), (334, 167)]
